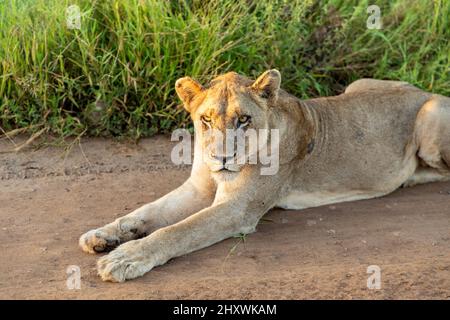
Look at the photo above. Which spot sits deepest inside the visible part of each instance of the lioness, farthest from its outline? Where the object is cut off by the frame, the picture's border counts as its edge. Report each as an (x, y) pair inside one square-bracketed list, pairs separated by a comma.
[(364, 143)]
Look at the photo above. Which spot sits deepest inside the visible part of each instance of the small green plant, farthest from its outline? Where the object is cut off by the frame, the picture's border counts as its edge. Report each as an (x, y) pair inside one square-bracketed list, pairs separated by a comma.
[(241, 239)]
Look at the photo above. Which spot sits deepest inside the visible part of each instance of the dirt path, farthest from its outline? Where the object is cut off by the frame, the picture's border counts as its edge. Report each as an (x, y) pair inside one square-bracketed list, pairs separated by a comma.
[(47, 201)]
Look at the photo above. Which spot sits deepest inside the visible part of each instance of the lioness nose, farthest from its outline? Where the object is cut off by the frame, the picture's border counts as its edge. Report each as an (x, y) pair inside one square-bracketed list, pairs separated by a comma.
[(222, 158)]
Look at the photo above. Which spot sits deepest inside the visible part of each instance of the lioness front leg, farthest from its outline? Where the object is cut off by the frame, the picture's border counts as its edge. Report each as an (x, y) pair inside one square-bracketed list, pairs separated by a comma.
[(173, 207), (210, 225)]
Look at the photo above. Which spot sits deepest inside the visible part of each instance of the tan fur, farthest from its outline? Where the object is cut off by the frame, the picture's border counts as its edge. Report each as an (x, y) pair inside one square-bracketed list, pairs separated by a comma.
[(365, 143)]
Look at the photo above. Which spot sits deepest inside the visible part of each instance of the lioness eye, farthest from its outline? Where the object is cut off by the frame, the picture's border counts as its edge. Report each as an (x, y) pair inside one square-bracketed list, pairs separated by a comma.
[(205, 119), (243, 119)]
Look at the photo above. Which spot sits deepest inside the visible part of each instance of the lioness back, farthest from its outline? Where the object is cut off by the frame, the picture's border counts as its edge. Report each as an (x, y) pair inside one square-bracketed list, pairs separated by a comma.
[(362, 143)]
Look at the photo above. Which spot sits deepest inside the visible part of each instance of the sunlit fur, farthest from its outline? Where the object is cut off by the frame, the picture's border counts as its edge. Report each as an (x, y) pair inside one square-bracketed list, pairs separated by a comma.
[(365, 143)]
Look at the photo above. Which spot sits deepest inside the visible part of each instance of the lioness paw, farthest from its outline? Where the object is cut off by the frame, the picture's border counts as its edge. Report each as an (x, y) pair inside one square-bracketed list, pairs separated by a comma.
[(125, 262), (96, 241)]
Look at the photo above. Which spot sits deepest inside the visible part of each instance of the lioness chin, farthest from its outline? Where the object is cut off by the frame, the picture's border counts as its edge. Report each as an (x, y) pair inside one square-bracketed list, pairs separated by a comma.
[(364, 143)]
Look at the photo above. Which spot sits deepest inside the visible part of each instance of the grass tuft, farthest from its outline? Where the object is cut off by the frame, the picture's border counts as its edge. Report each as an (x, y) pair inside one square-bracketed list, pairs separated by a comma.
[(115, 75)]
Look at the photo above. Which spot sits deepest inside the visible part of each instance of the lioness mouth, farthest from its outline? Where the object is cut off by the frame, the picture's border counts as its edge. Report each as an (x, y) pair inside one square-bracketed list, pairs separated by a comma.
[(224, 169)]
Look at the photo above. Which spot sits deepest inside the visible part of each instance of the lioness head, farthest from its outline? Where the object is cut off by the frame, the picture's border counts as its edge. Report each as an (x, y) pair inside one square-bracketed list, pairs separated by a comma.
[(227, 108)]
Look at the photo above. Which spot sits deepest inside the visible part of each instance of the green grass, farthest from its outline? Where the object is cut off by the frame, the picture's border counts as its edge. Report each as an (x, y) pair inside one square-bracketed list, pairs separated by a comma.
[(115, 76)]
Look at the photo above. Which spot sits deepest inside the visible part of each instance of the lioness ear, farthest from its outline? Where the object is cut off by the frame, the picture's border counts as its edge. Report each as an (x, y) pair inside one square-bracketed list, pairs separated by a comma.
[(187, 88), (268, 84)]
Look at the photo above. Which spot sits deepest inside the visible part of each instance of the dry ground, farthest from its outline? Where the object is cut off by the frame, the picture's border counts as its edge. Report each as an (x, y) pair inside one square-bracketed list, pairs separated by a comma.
[(48, 198)]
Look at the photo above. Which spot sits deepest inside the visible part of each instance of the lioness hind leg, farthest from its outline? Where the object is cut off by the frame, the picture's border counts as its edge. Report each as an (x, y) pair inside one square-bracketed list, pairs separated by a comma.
[(426, 175), (432, 136)]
